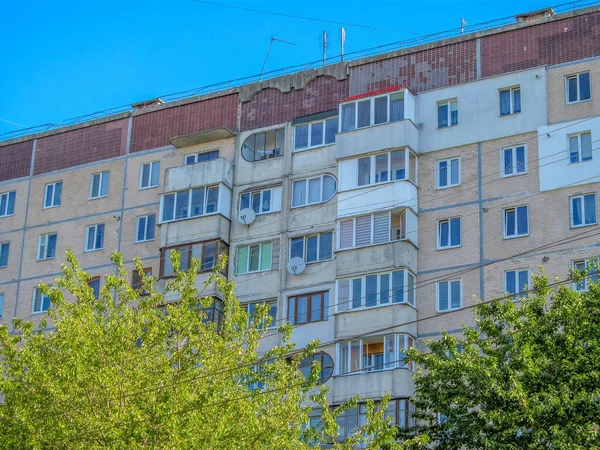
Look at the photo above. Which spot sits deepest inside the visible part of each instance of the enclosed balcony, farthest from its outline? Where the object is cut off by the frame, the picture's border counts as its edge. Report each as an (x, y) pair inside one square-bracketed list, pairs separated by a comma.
[(204, 173)]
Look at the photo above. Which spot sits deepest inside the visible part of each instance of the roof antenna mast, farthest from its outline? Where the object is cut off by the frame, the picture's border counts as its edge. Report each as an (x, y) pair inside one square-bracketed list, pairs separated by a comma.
[(273, 39)]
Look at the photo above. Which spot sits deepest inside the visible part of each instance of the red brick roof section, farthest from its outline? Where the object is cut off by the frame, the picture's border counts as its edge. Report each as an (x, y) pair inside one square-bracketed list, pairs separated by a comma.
[(154, 129), (271, 106), (545, 44), (419, 71), (81, 146), (15, 160)]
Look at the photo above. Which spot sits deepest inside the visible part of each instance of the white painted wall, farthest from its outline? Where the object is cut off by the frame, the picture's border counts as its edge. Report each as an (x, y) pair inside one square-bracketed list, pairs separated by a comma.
[(202, 174), (379, 197), (555, 169), (479, 110), (224, 202)]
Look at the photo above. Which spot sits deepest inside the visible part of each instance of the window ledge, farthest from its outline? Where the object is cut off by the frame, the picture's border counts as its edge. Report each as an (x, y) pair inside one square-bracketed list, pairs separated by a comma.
[(7, 215), (93, 250), (516, 237), (510, 175), (450, 247), (147, 187), (96, 198), (575, 227), (369, 308), (443, 311), (445, 128), (510, 114), (447, 187), (190, 218), (378, 125), (50, 207), (374, 245), (141, 242), (580, 161), (45, 259), (578, 102)]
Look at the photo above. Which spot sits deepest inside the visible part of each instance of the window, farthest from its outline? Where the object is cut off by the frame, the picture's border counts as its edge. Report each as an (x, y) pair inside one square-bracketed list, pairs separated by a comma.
[(448, 235), (313, 190), (373, 353), (262, 202), (516, 222), (583, 210), (580, 147), (189, 203), (149, 174), (313, 248), (41, 302), (136, 280), (201, 157), (376, 290), (377, 228), (514, 160), (516, 283), (46, 246), (315, 134), (578, 87), (7, 203), (4, 249), (372, 111), (265, 145), (449, 295), (325, 366), (52, 194), (94, 237), (306, 308), (448, 173), (94, 283), (250, 307), (99, 185), (144, 228), (1, 304), (385, 167), (589, 267), (447, 113), (206, 252), (254, 258), (510, 101)]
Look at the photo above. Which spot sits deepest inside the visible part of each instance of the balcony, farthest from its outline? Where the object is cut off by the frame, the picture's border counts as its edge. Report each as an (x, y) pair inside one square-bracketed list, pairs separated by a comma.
[(377, 257), (396, 382), (197, 229), (212, 291), (202, 174), (376, 197)]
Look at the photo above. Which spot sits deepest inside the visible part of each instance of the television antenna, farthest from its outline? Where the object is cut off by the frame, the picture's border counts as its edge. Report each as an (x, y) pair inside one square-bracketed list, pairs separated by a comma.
[(273, 39)]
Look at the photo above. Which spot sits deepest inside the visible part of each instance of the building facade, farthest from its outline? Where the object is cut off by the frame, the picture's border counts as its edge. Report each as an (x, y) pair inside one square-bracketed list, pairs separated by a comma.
[(370, 202)]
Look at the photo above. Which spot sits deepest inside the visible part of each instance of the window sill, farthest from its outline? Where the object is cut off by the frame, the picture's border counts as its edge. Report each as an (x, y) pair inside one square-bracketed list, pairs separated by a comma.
[(141, 242), (45, 259), (580, 161), (516, 237), (375, 125), (439, 188), (575, 227), (50, 207), (369, 308), (510, 175), (189, 218), (577, 102), (39, 312), (451, 247), (7, 215), (254, 272), (263, 160), (440, 311), (93, 250), (99, 197), (373, 245), (510, 114), (147, 187), (315, 147), (446, 127)]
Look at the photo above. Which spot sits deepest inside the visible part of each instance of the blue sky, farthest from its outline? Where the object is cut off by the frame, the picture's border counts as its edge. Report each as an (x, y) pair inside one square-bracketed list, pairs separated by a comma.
[(60, 59)]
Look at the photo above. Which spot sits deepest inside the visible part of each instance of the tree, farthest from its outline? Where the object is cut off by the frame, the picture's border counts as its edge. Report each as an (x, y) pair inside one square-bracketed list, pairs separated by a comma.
[(528, 376), (128, 371)]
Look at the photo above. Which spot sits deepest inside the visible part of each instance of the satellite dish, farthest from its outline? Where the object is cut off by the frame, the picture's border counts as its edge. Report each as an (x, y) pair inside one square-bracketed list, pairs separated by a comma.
[(246, 216), (296, 265)]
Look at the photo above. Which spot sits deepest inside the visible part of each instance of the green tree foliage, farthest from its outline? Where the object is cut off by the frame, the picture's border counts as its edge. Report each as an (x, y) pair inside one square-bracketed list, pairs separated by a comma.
[(527, 378), (126, 371)]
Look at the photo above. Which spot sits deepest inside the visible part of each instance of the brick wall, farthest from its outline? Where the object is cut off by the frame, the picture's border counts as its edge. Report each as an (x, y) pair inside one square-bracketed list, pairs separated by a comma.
[(271, 106), (154, 129), (81, 146), (420, 71), (545, 44), (15, 160)]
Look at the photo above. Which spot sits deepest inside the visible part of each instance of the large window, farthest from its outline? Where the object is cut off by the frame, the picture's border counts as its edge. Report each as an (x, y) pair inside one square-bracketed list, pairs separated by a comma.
[(99, 184), (265, 145), (189, 203), (315, 134), (313, 190), (250, 307), (510, 101), (306, 308), (41, 302), (4, 250), (583, 210), (589, 267), (7, 203), (376, 290), (52, 194), (448, 173), (46, 246), (149, 174), (254, 258), (144, 228), (449, 233), (312, 248), (372, 111), (372, 229), (201, 157), (263, 201), (385, 167), (206, 252), (578, 87), (94, 283), (325, 366), (94, 237), (449, 295), (447, 113), (137, 281), (516, 222), (514, 160), (516, 283), (580, 147), (373, 353)]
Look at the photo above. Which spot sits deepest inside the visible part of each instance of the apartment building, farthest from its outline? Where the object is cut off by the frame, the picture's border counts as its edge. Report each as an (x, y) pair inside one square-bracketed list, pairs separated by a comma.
[(369, 202)]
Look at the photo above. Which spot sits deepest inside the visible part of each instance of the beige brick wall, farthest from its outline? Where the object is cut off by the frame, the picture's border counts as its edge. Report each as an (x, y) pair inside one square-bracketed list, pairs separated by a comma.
[(18, 218)]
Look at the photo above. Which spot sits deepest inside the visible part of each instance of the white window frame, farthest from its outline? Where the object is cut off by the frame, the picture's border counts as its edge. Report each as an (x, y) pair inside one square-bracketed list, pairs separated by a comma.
[(580, 147), (260, 193), (437, 295), (371, 109), (402, 342), (95, 226), (260, 255), (577, 75), (304, 246), (448, 162), (36, 291), (197, 156), (137, 228), (587, 262), (5, 198), (53, 186), (42, 249), (310, 126), (582, 198), (149, 185), (511, 91), (517, 272), (3, 245), (513, 151), (103, 175), (402, 212), (373, 167), (439, 233), (189, 208), (504, 224), (307, 190), (448, 103)]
